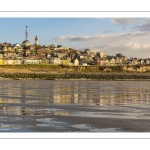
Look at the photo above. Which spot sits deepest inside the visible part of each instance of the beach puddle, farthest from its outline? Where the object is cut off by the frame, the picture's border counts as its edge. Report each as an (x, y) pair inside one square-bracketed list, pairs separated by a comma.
[(13, 128), (93, 129), (50, 122)]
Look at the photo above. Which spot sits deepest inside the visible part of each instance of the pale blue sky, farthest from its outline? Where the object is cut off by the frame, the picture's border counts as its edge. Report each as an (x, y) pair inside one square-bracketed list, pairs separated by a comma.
[(129, 36)]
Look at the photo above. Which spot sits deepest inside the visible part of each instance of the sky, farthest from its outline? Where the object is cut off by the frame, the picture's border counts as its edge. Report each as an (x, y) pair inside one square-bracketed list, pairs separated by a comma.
[(129, 36)]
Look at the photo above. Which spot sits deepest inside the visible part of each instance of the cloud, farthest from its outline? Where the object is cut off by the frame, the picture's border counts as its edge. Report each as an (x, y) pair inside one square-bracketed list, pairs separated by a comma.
[(76, 38), (144, 27), (132, 44), (101, 37), (107, 31), (138, 46), (123, 21), (129, 49)]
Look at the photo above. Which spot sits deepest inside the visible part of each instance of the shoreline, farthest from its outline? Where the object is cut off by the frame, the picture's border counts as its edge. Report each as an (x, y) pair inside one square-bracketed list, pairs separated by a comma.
[(116, 76), (1, 79)]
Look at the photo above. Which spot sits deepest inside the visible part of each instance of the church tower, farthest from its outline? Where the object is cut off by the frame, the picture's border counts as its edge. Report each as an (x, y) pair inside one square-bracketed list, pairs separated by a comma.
[(36, 40)]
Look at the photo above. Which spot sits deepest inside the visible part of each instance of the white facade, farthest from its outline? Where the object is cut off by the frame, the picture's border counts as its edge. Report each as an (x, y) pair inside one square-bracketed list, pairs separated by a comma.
[(112, 61), (76, 62), (32, 61), (100, 54), (36, 40), (61, 48), (10, 62), (55, 60)]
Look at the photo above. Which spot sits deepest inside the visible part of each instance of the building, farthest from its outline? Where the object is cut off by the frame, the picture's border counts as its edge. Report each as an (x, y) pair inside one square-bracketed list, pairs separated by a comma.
[(87, 51), (119, 55), (36, 40), (17, 48), (76, 62), (100, 54), (32, 61), (55, 60)]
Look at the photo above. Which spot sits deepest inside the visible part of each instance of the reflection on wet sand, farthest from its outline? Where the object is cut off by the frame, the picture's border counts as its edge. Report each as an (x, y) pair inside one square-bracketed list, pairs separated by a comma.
[(36, 99), (74, 92)]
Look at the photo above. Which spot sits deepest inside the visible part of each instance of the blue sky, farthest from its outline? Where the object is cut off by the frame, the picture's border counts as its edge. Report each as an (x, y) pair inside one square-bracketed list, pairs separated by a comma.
[(129, 36)]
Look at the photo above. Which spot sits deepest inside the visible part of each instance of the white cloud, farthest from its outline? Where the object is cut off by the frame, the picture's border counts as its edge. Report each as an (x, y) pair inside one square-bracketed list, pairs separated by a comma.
[(123, 21), (135, 44)]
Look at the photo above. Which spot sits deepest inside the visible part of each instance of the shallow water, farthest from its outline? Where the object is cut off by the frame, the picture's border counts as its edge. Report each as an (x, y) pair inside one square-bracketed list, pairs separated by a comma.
[(36, 103)]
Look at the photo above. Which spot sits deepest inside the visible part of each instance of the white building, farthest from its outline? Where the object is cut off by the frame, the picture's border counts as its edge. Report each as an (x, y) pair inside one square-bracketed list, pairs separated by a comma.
[(76, 62), (32, 61), (36, 40), (55, 60), (112, 61)]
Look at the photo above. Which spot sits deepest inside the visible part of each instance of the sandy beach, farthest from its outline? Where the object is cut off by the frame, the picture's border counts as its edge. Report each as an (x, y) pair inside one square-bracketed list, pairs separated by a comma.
[(105, 119), (74, 106)]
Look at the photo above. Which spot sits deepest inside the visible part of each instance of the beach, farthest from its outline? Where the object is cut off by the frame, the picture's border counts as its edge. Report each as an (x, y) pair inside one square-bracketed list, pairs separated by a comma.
[(74, 106)]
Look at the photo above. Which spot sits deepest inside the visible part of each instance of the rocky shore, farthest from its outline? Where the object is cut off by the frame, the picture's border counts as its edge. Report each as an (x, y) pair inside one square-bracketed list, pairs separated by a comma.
[(77, 76)]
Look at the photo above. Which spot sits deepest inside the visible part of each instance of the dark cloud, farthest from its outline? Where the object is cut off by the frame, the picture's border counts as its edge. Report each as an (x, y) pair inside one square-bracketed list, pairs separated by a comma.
[(144, 27)]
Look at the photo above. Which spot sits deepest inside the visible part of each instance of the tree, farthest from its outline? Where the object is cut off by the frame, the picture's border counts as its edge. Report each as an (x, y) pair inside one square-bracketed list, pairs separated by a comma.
[(59, 46), (52, 46), (37, 47)]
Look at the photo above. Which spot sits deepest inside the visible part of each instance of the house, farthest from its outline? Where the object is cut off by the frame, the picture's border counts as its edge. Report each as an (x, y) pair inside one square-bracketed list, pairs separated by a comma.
[(87, 51), (76, 62), (32, 61), (83, 63), (27, 52), (55, 60), (107, 62), (141, 61), (44, 61), (90, 61), (92, 54), (148, 61), (19, 61), (11, 61), (97, 61), (100, 54), (17, 47), (9, 54), (1, 56), (46, 46), (117, 60), (83, 56), (64, 61), (1, 62), (112, 61)]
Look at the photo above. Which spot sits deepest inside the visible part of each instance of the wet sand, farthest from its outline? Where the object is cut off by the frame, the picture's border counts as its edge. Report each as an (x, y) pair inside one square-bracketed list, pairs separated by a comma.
[(81, 119), (74, 106)]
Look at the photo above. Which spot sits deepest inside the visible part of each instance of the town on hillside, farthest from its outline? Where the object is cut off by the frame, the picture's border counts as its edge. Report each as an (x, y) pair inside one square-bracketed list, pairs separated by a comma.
[(25, 53)]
